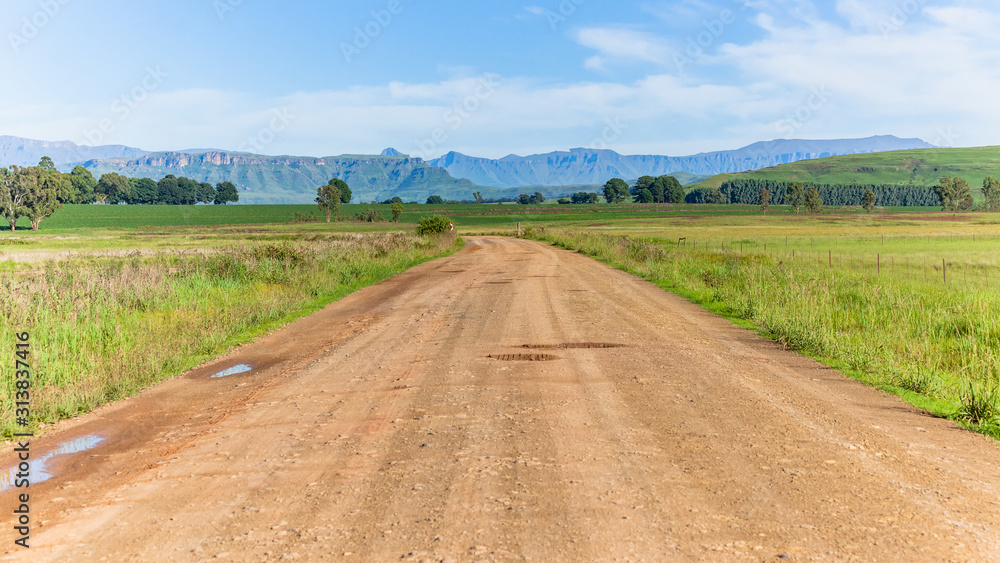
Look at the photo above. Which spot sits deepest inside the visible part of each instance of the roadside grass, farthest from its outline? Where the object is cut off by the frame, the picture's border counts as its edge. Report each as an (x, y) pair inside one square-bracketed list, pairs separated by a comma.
[(103, 327), (936, 346)]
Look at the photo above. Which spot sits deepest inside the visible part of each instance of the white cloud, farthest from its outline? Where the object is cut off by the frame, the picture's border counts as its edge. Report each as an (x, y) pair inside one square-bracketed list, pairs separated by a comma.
[(618, 45)]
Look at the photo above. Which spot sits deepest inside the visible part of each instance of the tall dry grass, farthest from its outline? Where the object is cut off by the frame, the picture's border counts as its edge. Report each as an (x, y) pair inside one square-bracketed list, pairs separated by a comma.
[(104, 327)]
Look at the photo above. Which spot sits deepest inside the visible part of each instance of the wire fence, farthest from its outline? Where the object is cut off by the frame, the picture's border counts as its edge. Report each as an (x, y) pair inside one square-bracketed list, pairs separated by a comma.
[(917, 266)]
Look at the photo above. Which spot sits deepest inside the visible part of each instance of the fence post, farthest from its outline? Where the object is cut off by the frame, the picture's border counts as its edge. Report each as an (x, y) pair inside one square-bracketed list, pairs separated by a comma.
[(831, 258), (944, 271), (878, 263)]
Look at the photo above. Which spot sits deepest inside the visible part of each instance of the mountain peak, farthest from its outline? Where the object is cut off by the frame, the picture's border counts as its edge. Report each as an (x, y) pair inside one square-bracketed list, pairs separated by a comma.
[(391, 152)]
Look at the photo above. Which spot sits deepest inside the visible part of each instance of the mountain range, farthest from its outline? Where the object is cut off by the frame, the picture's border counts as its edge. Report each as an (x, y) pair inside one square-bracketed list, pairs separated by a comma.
[(293, 179), (587, 166)]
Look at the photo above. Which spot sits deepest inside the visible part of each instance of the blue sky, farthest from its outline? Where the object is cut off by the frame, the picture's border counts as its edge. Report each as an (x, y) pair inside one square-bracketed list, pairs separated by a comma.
[(494, 78)]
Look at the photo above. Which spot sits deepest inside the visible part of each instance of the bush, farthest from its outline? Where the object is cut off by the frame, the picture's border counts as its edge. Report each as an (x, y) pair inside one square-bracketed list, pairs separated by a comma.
[(369, 215), (433, 225)]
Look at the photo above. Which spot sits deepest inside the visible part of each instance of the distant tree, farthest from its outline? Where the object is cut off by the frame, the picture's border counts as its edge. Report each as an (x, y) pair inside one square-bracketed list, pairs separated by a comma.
[(393, 200), (946, 191), (46, 165), (868, 201), (814, 203), (795, 195), (397, 210), (112, 188), (584, 197), (435, 200), (206, 192), (673, 191), (478, 197), (328, 199), (144, 191), (658, 192), (643, 183), (705, 195), (226, 192), (188, 191), (15, 189), (169, 190), (765, 200), (524, 199), (645, 196), (963, 195), (42, 199), (345, 190), (991, 194), (616, 190), (538, 198), (715, 196), (564, 201), (54, 181), (83, 184)]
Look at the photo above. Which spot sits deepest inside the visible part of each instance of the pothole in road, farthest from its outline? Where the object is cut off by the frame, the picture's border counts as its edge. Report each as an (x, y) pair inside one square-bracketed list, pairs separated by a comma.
[(241, 368), (38, 469), (523, 357), (574, 346)]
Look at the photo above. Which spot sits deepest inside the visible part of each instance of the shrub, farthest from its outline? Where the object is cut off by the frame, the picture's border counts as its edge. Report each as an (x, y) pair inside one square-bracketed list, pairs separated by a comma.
[(433, 225), (369, 215)]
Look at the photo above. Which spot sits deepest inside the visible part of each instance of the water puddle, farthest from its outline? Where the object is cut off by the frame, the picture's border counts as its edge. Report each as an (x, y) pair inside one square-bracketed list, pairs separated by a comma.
[(38, 472), (242, 368)]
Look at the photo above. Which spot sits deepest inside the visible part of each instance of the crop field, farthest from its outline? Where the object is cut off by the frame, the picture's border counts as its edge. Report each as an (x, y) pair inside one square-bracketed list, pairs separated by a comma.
[(75, 219)]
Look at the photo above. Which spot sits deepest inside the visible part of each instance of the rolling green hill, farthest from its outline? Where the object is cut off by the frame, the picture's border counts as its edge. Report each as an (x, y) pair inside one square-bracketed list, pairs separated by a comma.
[(922, 167)]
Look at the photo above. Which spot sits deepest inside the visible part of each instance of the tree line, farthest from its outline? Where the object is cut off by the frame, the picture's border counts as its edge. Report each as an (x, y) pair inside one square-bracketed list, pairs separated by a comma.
[(80, 186), (647, 189), (747, 191), (37, 192)]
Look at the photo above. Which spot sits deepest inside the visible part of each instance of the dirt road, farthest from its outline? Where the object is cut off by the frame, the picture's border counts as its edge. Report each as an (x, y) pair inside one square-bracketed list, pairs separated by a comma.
[(514, 402)]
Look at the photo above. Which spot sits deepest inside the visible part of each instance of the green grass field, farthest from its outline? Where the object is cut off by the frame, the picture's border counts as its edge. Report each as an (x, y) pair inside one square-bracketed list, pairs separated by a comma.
[(77, 219), (922, 167), (882, 312)]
